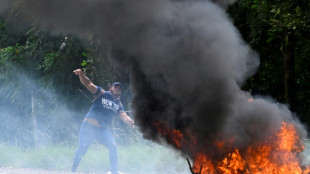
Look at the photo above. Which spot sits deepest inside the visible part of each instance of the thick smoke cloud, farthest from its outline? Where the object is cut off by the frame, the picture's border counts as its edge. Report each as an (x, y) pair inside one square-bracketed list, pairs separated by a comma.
[(187, 63), (224, 3), (4, 5)]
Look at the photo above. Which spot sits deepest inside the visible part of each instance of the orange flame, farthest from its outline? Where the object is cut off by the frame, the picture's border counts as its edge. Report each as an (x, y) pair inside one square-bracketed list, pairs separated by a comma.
[(278, 155), (175, 137)]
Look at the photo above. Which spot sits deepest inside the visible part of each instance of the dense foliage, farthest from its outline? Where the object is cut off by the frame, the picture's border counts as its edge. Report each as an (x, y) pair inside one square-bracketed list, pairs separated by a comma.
[(279, 32), (42, 101)]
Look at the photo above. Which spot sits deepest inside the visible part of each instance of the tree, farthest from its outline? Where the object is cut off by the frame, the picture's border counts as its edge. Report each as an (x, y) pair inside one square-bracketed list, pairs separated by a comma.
[(36, 76), (37, 83), (279, 31)]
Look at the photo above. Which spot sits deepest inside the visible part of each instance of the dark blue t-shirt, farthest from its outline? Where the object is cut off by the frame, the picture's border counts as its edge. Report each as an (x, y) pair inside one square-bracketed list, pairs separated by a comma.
[(104, 108)]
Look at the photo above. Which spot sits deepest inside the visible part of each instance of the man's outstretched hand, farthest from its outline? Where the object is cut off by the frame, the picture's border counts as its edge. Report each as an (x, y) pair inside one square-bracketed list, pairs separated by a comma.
[(126, 119), (78, 72)]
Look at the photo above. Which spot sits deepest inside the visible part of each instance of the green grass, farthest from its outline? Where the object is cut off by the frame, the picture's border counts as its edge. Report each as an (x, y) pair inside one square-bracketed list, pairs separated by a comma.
[(141, 158), (56, 157)]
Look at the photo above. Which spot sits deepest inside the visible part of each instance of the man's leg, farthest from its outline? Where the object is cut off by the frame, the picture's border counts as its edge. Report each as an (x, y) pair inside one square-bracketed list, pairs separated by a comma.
[(107, 139), (86, 136)]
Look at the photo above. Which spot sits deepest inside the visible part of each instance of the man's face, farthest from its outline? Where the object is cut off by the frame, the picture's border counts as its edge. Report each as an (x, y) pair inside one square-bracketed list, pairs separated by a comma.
[(116, 90)]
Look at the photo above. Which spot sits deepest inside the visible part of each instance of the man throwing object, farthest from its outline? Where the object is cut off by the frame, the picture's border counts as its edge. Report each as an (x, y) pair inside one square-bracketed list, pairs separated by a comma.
[(106, 104)]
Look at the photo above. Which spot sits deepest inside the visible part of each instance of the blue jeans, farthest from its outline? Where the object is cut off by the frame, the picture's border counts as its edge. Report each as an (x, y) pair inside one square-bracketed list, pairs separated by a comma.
[(104, 136)]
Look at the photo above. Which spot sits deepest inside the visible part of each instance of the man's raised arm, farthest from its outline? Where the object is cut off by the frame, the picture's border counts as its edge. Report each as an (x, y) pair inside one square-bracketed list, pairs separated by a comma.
[(85, 81)]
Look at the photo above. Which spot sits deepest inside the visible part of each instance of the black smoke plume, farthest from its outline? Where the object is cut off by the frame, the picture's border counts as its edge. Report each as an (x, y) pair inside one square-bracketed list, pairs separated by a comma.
[(187, 64)]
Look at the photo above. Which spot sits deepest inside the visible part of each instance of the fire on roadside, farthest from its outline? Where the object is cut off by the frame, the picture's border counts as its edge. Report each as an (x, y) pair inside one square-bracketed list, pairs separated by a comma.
[(279, 154)]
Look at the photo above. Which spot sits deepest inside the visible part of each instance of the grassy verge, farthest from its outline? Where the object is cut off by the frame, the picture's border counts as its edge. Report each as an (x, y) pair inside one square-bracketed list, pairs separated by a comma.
[(139, 159)]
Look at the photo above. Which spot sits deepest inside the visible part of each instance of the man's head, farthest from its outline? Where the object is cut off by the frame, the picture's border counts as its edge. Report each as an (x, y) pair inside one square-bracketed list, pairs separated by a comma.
[(116, 89)]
